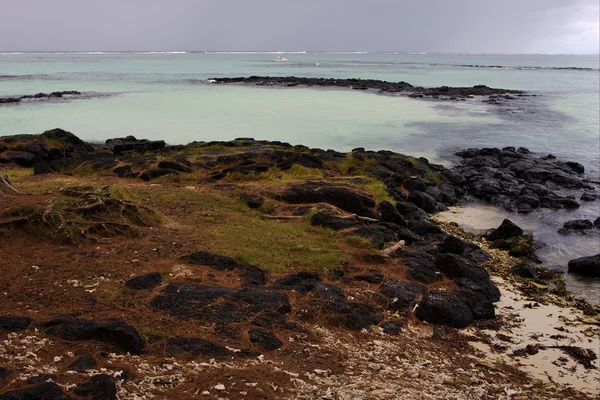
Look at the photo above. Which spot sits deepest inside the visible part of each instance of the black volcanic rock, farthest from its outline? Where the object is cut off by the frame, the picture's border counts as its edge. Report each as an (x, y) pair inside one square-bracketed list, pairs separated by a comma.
[(147, 281), (112, 331), (589, 266), (98, 387), (44, 391), (83, 363), (266, 340), (252, 274), (506, 230), (14, 323), (445, 308)]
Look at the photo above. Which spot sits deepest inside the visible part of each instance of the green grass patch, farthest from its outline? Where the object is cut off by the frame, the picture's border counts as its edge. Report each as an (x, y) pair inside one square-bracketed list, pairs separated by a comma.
[(434, 176), (359, 242), (352, 164), (225, 225), (377, 189), (276, 175)]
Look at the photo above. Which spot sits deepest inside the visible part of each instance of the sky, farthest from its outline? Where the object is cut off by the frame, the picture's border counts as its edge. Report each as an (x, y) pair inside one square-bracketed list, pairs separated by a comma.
[(475, 26)]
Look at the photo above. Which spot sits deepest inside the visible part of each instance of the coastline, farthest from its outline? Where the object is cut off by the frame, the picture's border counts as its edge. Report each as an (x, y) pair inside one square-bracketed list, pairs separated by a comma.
[(265, 190)]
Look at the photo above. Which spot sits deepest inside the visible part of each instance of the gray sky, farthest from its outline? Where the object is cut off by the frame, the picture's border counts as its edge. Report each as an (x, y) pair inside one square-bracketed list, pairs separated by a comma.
[(491, 26)]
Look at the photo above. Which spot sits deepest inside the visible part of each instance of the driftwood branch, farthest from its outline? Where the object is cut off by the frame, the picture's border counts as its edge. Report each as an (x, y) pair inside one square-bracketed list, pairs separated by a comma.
[(6, 187), (393, 248)]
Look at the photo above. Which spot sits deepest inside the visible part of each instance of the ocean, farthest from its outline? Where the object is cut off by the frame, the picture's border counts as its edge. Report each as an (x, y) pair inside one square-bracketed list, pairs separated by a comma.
[(166, 95)]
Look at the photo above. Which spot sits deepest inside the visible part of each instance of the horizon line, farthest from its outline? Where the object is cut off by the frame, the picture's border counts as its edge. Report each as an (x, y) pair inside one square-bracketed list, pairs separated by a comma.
[(287, 52)]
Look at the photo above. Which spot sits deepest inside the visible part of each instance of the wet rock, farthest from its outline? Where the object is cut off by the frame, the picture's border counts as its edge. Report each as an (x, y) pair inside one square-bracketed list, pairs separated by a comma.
[(303, 281), (444, 308), (45, 391), (597, 222), (393, 327), (175, 166), (14, 323), (147, 281), (195, 348), (253, 200), (589, 196), (578, 224), (252, 274), (389, 213), (266, 340), (575, 166), (221, 305), (353, 201), (98, 387), (401, 294), (113, 331), (152, 174), (589, 266), (519, 246), (524, 270), (506, 230), (83, 363)]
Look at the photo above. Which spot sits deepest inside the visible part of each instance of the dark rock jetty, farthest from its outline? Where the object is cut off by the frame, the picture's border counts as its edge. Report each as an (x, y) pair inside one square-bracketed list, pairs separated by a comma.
[(40, 96), (442, 92)]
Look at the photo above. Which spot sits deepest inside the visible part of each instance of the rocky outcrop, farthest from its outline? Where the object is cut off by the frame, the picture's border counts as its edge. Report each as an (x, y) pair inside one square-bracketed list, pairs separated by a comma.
[(517, 180), (41, 97), (14, 323), (442, 92), (147, 281), (46, 391), (252, 274), (589, 266), (581, 226)]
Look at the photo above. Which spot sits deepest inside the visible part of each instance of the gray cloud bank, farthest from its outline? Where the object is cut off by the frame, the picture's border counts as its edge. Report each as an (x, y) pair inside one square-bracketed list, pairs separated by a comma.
[(488, 26)]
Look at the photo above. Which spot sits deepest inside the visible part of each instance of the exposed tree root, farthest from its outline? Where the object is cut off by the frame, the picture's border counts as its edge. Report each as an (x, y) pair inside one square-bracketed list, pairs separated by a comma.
[(6, 188)]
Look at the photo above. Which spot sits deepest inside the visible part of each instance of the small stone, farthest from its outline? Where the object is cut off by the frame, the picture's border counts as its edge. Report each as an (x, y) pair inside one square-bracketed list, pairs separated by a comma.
[(220, 386)]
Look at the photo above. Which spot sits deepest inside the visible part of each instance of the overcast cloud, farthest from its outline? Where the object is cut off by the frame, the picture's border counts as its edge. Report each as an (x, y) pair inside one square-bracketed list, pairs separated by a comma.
[(498, 26)]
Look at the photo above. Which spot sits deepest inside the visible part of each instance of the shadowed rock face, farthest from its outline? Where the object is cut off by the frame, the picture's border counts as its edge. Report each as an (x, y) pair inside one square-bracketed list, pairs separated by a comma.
[(46, 391)]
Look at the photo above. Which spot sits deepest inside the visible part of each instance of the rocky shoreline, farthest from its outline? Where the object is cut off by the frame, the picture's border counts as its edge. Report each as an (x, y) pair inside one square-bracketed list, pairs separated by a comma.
[(158, 282), (495, 96)]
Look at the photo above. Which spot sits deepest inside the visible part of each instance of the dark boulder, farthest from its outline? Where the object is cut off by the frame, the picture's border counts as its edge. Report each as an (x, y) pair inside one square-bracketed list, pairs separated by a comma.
[(37, 379), (83, 363), (252, 274), (401, 294), (423, 201), (410, 211), (266, 340), (253, 200), (113, 331), (14, 324), (175, 166), (379, 234), (578, 224), (353, 201), (221, 305), (152, 174), (444, 308), (524, 270), (393, 327), (122, 171), (331, 221), (44, 391), (575, 166), (589, 196), (147, 281), (480, 298), (302, 281), (589, 266), (471, 251), (506, 230), (195, 348), (21, 158), (140, 146), (597, 223), (389, 213), (374, 278), (98, 387)]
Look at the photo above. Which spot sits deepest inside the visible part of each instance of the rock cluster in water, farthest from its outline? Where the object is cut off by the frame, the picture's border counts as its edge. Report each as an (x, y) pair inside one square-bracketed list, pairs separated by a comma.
[(441, 93)]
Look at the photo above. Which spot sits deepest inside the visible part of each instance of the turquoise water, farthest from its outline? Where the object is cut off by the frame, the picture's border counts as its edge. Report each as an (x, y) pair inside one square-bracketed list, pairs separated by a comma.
[(166, 96)]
